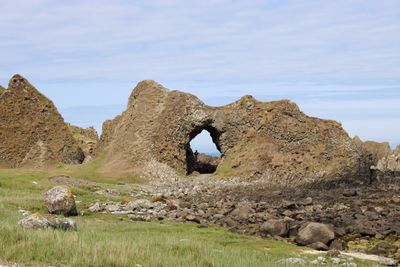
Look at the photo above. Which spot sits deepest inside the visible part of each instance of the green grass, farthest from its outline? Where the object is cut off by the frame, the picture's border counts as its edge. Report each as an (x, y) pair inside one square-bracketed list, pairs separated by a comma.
[(110, 240)]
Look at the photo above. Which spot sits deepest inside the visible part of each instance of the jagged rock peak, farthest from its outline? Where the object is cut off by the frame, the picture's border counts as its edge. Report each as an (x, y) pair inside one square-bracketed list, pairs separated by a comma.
[(31, 126)]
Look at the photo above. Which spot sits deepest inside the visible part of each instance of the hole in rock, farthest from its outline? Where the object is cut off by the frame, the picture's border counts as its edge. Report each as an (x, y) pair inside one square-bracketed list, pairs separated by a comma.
[(202, 152)]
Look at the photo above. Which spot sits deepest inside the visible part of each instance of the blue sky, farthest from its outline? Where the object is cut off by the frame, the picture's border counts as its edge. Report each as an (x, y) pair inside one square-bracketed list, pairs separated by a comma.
[(336, 59)]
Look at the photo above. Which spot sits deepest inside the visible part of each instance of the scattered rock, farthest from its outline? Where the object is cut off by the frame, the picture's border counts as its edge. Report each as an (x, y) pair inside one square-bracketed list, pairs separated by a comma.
[(243, 211), (192, 218), (388, 261), (96, 207), (350, 193), (112, 208), (158, 198), (139, 218), (298, 261), (60, 200), (318, 246), (139, 204), (383, 249), (307, 201)]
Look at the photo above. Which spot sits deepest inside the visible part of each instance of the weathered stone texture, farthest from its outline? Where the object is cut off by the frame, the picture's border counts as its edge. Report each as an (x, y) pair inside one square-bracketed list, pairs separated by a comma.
[(32, 132), (274, 141)]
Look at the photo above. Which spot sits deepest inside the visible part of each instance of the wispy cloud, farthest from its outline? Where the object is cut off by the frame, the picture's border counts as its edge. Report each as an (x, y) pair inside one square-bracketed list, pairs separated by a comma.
[(339, 59)]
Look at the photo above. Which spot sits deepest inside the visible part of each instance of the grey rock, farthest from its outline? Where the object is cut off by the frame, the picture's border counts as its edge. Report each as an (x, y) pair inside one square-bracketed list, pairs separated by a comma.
[(38, 221), (96, 207), (139, 204)]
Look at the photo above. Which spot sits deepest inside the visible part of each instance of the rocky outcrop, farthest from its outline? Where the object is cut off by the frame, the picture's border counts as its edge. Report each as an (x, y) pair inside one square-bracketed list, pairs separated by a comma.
[(87, 139), (2, 89), (273, 141), (374, 150), (389, 165), (32, 132)]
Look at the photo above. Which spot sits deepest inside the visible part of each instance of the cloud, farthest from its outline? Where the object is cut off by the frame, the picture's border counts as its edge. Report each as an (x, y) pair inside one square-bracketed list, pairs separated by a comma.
[(335, 58)]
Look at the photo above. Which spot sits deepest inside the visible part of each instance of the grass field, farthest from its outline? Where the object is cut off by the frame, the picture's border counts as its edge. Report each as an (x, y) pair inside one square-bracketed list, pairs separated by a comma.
[(110, 240)]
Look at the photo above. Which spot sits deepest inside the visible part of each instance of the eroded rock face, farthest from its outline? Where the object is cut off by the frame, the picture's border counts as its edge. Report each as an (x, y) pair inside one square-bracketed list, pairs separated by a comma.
[(274, 141), (87, 139), (32, 132), (389, 165), (374, 150)]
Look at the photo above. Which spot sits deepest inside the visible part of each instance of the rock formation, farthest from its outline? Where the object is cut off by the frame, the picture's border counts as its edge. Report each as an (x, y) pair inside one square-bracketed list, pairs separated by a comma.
[(389, 165), (87, 139), (273, 141), (32, 132), (374, 150), (2, 89)]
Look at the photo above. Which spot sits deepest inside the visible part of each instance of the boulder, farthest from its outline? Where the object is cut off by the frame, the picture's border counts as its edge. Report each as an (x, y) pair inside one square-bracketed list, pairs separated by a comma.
[(314, 233), (33, 133), (60, 200), (273, 141), (275, 227), (47, 221), (242, 212)]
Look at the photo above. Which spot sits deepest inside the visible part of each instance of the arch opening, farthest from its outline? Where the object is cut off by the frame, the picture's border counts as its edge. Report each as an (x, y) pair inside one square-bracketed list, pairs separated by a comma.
[(203, 152)]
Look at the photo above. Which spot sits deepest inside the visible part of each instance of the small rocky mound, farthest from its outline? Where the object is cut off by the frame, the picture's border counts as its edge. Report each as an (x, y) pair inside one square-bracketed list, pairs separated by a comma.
[(47, 221), (204, 163), (87, 139), (272, 141), (60, 200), (32, 132), (389, 166), (374, 150)]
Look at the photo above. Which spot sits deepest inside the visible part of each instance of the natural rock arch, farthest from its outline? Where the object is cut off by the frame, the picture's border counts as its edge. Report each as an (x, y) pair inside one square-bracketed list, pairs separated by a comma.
[(190, 157), (273, 141)]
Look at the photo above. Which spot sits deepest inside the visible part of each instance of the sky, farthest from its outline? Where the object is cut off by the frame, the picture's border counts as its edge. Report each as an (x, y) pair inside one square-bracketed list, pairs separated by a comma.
[(337, 59)]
